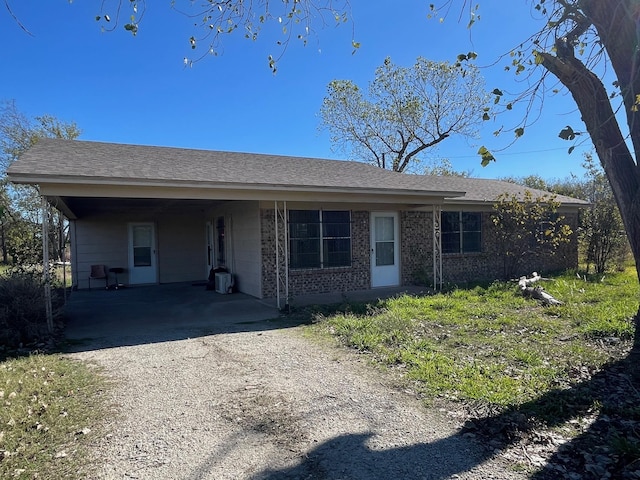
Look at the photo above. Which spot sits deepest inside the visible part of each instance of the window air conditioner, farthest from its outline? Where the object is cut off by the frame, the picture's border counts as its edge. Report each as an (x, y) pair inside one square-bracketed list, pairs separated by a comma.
[(223, 282)]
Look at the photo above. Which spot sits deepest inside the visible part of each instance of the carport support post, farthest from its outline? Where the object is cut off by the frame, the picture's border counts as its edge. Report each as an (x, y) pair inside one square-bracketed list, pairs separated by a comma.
[(45, 264), (437, 247), (282, 254)]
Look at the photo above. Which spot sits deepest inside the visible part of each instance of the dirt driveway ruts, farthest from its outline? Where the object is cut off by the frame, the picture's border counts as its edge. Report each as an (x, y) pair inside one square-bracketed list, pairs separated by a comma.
[(202, 394)]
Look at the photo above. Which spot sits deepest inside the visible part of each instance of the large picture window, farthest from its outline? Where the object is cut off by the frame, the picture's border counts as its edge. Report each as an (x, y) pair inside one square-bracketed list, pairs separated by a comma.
[(461, 232), (319, 238)]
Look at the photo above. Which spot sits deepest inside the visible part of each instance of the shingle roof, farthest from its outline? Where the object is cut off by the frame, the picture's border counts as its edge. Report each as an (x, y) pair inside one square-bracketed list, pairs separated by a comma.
[(480, 190), (92, 162)]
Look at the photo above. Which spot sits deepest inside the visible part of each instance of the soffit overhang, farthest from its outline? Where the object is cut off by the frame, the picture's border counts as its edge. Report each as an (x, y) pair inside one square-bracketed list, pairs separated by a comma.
[(61, 194)]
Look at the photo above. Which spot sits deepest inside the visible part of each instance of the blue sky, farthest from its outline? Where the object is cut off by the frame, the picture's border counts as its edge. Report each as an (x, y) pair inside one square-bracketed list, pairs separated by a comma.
[(120, 88)]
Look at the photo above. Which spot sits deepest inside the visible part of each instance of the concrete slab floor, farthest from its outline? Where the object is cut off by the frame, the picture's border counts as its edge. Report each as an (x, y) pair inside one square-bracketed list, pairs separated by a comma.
[(100, 318)]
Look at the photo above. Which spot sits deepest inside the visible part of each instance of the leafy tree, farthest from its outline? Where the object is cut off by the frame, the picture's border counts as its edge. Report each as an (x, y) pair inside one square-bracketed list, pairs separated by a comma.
[(602, 240), (572, 186), (526, 230), (20, 222), (214, 19), (405, 111), (530, 181), (581, 42), (602, 232), (442, 167), (18, 132)]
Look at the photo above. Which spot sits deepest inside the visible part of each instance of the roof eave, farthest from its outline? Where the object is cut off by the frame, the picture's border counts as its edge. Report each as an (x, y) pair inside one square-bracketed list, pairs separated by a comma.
[(127, 182), (476, 202)]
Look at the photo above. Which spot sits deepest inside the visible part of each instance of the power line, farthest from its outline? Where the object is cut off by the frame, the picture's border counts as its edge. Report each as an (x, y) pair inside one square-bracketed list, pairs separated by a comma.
[(504, 154)]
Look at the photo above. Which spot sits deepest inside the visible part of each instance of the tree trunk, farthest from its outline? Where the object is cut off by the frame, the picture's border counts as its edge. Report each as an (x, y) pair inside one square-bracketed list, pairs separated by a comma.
[(615, 157), (616, 27)]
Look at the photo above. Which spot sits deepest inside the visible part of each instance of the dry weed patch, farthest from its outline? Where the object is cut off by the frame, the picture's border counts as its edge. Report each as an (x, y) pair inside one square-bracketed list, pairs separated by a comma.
[(49, 408)]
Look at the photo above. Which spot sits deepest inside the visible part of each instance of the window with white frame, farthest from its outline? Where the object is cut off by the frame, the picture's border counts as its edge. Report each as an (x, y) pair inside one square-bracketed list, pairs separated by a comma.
[(319, 238), (461, 232)]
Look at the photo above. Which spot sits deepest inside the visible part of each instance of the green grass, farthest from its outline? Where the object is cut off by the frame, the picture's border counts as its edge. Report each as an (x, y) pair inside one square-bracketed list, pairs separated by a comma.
[(489, 344), (49, 409), (62, 273)]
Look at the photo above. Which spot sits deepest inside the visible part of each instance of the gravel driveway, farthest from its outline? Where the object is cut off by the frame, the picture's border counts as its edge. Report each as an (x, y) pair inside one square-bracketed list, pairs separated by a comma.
[(268, 403)]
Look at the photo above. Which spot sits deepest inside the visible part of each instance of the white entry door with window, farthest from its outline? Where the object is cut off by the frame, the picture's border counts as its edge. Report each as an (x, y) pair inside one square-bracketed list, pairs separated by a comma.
[(385, 254), (142, 253)]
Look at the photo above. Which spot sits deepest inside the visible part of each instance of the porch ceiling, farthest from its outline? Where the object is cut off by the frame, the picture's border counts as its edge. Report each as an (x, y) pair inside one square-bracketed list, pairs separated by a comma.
[(78, 207)]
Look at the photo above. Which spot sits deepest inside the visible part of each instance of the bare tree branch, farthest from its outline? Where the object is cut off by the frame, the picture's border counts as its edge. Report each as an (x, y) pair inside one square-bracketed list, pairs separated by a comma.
[(16, 19), (405, 111)]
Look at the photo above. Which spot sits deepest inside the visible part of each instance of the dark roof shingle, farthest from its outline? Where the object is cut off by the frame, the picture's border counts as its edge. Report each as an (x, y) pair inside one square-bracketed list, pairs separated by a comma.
[(79, 161)]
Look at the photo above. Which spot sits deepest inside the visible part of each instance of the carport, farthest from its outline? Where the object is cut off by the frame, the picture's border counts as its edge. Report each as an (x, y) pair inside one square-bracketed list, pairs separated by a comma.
[(100, 318)]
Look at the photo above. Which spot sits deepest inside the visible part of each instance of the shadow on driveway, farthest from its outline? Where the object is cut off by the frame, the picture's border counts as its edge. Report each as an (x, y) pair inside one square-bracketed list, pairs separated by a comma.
[(350, 457)]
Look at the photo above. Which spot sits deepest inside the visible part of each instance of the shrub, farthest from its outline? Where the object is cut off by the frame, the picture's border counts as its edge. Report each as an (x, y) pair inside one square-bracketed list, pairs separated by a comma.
[(527, 228), (22, 308)]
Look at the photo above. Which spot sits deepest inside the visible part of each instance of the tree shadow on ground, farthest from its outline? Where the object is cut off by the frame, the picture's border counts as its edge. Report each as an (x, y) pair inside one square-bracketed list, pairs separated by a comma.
[(605, 407), (350, 457)]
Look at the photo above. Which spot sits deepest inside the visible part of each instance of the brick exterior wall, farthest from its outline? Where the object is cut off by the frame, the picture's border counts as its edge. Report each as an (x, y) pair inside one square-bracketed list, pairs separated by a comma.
[(416, 257), (416, 248), (489, 265), (268, 253), (417, 254), (319, 280)]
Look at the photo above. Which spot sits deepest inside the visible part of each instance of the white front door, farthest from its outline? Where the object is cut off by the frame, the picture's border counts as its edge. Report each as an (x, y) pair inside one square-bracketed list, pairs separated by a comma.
[(142, 253), (385, 254)]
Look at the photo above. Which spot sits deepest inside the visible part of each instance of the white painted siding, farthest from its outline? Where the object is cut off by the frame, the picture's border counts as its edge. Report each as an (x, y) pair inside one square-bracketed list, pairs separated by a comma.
[(242, 228), (180, 241), (101, 241)]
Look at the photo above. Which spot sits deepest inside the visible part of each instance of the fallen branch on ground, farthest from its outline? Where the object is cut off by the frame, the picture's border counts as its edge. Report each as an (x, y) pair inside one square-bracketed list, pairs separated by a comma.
[(536, 292)]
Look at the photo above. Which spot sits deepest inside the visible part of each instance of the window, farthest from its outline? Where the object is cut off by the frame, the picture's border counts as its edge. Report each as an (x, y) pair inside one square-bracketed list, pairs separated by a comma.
[(319, 238), (461, 232), (142, 245)]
